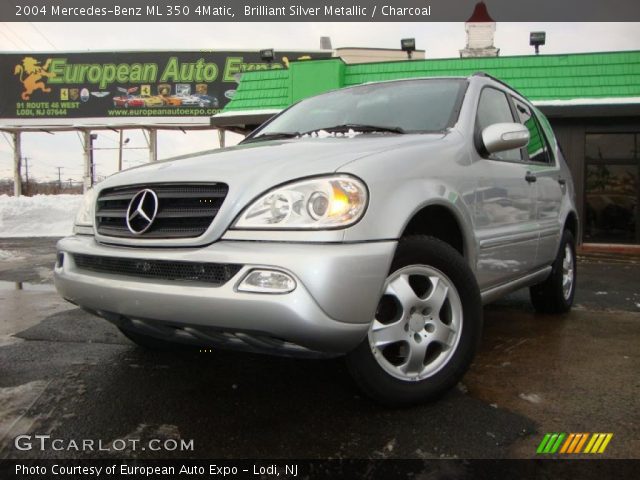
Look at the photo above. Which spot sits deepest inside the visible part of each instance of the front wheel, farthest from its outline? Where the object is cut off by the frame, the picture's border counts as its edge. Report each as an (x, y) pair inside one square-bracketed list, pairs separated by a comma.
[(426, 328)]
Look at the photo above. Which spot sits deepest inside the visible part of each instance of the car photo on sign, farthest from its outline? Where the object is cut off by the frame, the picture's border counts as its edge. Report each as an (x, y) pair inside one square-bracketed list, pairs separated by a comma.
[(127, 101), (171, 101), (152, 100), (207, 101)]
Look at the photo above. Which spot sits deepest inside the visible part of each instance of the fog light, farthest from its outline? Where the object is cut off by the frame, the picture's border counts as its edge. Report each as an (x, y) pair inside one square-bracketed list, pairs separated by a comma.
[(60, 260), (267, 281)]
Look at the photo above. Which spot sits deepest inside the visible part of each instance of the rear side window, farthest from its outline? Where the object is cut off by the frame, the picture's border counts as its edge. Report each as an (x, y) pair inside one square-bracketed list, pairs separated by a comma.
[(552, 142), (537, 148), (494, 108)]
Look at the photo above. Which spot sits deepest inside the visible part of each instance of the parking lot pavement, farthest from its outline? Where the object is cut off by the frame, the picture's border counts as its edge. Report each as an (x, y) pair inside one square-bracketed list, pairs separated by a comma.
[(73, 376)]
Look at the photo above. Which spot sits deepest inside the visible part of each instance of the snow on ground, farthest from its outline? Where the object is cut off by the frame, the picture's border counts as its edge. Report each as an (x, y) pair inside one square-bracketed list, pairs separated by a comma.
[(9, 255), (38, 216)]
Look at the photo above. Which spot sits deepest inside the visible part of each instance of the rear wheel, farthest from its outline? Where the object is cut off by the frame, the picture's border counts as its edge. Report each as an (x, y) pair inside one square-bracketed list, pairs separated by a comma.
[(555, 294), (426, 328)]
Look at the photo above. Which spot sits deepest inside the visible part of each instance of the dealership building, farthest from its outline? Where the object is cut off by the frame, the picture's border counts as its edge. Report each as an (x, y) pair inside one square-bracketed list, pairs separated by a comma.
[(592, 101)]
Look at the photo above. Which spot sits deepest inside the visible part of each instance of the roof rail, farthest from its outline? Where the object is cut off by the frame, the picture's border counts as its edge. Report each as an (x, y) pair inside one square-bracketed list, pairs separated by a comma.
[(486, 75)]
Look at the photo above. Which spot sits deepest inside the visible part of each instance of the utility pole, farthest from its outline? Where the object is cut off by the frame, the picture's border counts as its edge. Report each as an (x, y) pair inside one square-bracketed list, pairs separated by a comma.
[(88, 178), (26, 169), (17, 167), (120, 153), (59, 178), (153, 145), (93, 136)]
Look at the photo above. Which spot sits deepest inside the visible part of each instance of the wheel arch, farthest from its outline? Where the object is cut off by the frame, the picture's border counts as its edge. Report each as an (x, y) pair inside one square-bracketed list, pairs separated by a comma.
[(443, 222), (572, 224)]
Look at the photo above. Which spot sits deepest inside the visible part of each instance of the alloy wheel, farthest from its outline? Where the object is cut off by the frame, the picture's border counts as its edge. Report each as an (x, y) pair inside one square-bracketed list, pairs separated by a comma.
[(418, 323)]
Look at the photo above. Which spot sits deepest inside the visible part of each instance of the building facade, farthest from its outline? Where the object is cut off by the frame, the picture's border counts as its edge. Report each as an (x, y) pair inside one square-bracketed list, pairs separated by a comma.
[(592, 101)]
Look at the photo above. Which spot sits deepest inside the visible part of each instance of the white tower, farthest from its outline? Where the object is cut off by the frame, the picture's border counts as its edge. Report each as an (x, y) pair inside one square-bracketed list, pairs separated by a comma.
[(481, 29)]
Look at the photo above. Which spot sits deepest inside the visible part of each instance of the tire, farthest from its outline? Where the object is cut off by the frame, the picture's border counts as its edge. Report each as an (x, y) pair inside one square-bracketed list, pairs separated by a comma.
[(551, 296), (413, 354), (149, 342)]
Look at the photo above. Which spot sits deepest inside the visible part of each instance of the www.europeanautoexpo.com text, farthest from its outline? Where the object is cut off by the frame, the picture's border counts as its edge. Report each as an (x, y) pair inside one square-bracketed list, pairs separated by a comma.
[(229, 11), (125, 469)]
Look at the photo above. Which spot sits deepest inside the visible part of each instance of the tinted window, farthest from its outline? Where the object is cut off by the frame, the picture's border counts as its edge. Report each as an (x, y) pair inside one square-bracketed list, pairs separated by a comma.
[(609, 146), (494, 108), (552, 142), (414, 105), (612, 188), (537, 147)]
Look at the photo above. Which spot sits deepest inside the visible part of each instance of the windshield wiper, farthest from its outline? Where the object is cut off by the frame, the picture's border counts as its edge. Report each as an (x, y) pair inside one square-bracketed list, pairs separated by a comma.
[(356, 127), (271, 136)]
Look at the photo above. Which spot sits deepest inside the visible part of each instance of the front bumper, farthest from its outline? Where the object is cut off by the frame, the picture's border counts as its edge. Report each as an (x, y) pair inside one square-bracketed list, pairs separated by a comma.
[(338, 288)]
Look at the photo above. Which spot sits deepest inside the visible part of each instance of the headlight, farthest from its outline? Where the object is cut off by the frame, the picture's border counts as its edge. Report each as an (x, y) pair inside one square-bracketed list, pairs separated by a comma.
[(84, 217), (318, 203)]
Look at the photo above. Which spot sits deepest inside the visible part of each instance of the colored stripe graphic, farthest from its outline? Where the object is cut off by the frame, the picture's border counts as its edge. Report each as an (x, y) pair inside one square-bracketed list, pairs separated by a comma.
[(582, 442), (558, 442), (598, 442), (543, 443), (567, 443), (551, 442), (573, 443)]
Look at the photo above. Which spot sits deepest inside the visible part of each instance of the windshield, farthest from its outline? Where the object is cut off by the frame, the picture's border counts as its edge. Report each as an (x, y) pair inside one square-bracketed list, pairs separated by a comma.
[(405, 106)]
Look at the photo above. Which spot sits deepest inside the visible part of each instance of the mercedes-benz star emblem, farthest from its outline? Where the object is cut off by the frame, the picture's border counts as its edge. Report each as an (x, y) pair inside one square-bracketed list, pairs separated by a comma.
[(142, 211)]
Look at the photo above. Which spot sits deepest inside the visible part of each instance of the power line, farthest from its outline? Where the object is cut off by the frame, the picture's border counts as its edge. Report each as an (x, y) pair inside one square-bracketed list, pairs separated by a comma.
[(17, 36), (9, 38), (43, 35), (5, 135)]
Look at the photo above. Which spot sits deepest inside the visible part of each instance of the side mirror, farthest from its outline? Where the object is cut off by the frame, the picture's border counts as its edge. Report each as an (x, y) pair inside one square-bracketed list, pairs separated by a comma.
[(501, 137)]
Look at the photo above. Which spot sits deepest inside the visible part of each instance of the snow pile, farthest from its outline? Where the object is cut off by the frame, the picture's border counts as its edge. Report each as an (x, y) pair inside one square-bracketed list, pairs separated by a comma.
[(7, 254), (38, 216)]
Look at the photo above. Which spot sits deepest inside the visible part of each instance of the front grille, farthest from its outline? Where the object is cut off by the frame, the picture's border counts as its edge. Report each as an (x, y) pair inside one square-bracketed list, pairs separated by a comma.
[(184, 210), (211, 273)]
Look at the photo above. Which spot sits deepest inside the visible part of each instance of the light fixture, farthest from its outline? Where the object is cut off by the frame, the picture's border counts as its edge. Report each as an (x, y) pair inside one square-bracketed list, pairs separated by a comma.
[(408, 45), (536, 39), (267, 281), (267, 55)]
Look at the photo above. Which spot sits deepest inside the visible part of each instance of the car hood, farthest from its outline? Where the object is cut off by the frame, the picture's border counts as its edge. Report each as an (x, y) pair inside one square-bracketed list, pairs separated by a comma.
[(253, 168)]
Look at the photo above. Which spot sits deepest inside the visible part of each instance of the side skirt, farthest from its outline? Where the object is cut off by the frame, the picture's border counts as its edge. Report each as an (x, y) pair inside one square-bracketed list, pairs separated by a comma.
[(498, 291)]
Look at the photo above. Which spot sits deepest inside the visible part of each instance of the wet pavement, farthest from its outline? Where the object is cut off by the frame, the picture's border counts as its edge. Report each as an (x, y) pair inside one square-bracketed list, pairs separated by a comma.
[(74, 376)]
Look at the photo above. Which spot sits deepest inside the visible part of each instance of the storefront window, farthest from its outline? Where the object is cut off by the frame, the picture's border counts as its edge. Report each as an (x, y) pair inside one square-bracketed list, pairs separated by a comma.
[(612, 188)]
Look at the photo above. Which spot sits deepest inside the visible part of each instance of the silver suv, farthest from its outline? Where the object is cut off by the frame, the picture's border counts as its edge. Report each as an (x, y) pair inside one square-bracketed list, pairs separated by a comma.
[(370, 222)]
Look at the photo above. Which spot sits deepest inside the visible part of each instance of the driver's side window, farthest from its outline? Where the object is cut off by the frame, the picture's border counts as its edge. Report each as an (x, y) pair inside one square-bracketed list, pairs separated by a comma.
[(493, 107)]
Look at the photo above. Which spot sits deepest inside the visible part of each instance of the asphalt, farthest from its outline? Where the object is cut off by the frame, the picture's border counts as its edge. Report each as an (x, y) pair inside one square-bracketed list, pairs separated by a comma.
[(70, 375)]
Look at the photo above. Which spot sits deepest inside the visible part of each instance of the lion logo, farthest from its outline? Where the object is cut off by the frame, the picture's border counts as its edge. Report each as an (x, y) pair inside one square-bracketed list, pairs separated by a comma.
[(34, 74)]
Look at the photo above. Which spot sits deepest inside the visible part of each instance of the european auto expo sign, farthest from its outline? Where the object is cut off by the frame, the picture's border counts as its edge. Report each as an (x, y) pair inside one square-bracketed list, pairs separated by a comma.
[(126, 84)]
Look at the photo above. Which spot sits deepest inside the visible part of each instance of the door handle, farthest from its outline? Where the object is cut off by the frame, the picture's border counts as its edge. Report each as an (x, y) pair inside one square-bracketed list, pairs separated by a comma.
[(530, 177), (562, 181)]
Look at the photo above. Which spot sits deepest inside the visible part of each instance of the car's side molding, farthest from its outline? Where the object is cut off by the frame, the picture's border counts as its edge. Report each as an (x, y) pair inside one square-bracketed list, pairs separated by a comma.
[(494, 293)]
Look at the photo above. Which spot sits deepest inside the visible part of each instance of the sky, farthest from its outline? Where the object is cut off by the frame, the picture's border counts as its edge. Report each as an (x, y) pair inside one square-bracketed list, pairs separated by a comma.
[(439, 40)]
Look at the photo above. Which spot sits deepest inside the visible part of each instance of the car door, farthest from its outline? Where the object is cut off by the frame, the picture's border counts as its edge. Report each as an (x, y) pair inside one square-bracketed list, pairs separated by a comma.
[(542, 157), (504, 214)]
